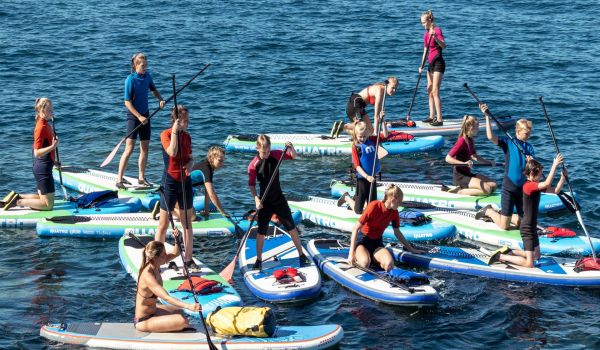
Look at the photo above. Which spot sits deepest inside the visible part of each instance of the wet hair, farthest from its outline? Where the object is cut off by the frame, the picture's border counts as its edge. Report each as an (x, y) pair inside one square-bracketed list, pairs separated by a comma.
[(213, 151), (40, 104), (429, 15), (533, 168), (135, 57), (468, 122), (181, 109), (359, 126), (152, 250), (263, 140), (393, 191), (523, 124)]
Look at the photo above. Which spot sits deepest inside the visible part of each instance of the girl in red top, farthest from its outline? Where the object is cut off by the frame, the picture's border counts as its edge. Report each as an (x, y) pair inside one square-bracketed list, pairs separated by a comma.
[(434, 39), (173, 153), (44, 144), (463, 153), (371, 224), (532, 190)]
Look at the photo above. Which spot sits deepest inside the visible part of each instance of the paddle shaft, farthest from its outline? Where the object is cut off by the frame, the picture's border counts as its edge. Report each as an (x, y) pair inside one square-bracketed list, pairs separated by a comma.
[(488, 113), (378, 131), (419, 77), (64, 189), (175, 93), (575, 204), (185, 216)]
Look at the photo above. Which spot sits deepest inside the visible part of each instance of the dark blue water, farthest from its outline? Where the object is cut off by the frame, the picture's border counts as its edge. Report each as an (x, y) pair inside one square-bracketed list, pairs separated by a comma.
[(289, 66)]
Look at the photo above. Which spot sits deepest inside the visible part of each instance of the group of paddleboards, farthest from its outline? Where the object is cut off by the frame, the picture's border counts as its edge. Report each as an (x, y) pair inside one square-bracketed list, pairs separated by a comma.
[(389, 222)]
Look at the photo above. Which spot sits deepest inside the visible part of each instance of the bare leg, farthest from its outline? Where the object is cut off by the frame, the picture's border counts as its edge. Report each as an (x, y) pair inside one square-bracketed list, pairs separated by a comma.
[(37, 201), (384, 258), (430, 96), (435, 94), (129, 145), (519, 257), (188, 236), (143, 160), (503, 222), (163, 225), (479, 186), (296, 240), (167, 319), (351, 203), (362, 256), (260, 242)]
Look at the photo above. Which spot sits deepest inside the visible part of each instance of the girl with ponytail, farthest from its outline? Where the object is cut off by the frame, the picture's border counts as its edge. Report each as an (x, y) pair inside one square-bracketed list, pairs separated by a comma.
[(432, 51), (149, 315), (463, 154)]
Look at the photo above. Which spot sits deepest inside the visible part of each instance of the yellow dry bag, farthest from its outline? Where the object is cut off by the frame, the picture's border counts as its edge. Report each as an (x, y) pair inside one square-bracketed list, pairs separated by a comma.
[(246, 321)]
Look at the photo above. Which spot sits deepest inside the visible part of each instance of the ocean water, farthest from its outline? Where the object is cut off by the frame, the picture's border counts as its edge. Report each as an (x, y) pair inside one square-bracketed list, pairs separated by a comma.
[(289, 67)]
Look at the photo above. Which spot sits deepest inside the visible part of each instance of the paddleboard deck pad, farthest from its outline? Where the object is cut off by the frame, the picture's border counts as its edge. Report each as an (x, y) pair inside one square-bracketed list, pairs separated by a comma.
[(323, 145), (21, 217), (125, 336), (332, 257), (130, 252), (279, 253), (89, 180), (439, 196), (325, 212), (471, 261)]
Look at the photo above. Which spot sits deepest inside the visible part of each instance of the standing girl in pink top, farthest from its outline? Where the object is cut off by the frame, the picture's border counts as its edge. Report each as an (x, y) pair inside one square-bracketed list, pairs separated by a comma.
[(433, 39), (463, 153)]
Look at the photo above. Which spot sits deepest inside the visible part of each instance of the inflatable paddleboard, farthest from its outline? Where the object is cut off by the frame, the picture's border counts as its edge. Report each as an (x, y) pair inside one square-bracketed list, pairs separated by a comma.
[(332, 258), (439, 196), (130, 252), (89, 180), (125, 336), (279, 253), (451, 127), (20, 217), (117, 225), (323, 145), (487, 232), (470, 261), (325, 212)]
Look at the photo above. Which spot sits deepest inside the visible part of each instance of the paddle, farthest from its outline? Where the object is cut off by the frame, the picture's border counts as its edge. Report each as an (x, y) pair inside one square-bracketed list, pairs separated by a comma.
[(562, 196), (419, 78), (376, 156), (227, 272), (116, 149), (62, 186), (574, 203), (211, 346)]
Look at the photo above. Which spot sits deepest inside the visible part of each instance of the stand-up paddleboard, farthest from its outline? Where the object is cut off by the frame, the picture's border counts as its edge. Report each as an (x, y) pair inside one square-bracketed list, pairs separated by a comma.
[(125, 336), (89, 180), (470, 261), (115, 226), (332, 257), (325, 212), (439, 196), (279, 253), (19, 217), (323, 145), (451, 127), (130, 252), (487, 232)]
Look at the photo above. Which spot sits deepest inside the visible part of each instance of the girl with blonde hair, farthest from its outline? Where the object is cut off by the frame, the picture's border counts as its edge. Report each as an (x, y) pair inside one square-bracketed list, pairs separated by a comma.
[(463, 154), (433, 44)]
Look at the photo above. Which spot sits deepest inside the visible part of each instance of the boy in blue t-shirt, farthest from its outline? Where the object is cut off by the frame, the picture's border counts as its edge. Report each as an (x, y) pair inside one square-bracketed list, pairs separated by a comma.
[(515, 159)]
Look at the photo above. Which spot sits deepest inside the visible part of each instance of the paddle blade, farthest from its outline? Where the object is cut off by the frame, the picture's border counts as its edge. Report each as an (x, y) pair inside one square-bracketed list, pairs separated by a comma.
[(568, 201), (381, 152), (227, 273), (111, 155), (64, 191)]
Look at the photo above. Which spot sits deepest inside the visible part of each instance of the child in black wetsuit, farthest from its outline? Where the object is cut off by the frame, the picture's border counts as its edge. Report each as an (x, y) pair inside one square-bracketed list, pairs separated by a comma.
[(532, 190), (262, 168)]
